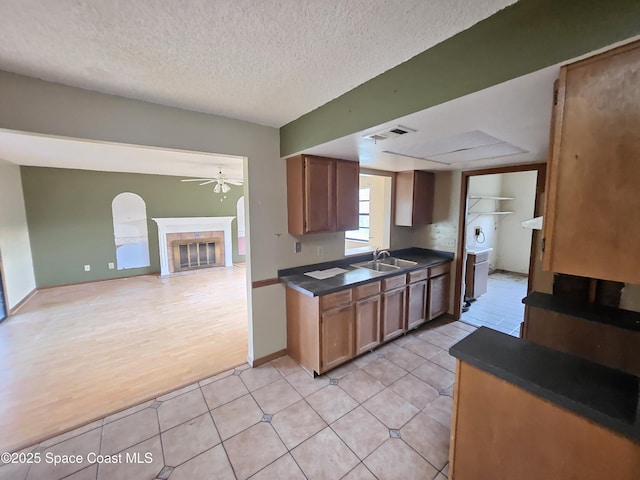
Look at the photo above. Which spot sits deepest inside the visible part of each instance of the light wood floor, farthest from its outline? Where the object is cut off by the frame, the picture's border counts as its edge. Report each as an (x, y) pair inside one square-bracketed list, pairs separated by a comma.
[(74, 354)]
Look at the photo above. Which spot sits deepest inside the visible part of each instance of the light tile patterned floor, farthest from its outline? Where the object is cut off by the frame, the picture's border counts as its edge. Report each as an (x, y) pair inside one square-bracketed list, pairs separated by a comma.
[(501, 308), (385, 415)]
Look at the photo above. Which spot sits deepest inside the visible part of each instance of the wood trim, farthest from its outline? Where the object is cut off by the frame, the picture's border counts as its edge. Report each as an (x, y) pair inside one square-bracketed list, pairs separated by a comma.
[(21, 303), (267, 358), (454, 421), (462, 220), (541, 185), (525, 167), (4, 290), (265, 283)]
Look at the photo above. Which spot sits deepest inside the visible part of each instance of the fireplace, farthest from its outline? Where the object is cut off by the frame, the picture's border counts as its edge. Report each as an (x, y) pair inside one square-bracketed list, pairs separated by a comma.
[(194, 254), (190, 243)]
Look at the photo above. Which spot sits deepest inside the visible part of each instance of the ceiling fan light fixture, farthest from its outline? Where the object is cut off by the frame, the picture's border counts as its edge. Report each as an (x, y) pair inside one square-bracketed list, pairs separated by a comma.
[(225, 188), (216, 189)]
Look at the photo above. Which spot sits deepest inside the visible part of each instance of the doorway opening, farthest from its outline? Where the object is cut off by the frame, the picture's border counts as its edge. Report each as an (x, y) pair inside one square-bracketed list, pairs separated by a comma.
[(3, 299), (495, 249)]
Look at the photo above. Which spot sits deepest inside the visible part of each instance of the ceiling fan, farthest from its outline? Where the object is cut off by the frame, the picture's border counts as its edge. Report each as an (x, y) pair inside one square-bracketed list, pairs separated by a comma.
[(221, 181)]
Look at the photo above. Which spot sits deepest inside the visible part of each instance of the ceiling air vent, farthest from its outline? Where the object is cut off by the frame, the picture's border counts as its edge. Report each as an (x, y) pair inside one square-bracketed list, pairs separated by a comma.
[(389, 133)]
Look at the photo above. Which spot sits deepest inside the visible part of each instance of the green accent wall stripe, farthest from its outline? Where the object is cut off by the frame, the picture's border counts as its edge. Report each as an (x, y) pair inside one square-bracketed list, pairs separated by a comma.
[(71, 225), (522, 38)]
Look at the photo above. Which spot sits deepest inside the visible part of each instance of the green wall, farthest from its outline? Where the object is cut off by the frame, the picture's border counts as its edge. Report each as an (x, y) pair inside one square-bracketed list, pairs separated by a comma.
[(70, 222), (522, 38)]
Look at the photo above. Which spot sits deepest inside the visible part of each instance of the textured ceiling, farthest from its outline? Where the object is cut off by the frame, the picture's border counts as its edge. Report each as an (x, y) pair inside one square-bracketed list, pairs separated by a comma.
[(265, 61)]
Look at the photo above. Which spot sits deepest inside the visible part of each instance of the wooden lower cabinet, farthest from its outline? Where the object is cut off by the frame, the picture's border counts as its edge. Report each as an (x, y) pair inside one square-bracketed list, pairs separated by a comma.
[(438, 298), (393, 313), (336, 336), (326, 331), (367, 323), (416, 304)]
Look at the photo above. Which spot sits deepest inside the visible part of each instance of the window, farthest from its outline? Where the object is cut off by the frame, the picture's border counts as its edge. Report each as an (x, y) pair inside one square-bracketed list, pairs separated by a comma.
[(130, 231), (363, 232)]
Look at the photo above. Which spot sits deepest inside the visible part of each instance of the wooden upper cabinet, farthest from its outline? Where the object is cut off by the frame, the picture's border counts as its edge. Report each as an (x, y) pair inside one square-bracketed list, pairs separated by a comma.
[(414, 198), (322, 194), (592, 214), (347, 195), (319, 200)]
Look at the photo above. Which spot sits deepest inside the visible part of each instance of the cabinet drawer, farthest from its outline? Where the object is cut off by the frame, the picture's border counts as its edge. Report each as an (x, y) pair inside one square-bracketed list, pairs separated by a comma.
[(366, 290), (335, 299), (440, 269), (394, 282), (418, 275), (479, 257)]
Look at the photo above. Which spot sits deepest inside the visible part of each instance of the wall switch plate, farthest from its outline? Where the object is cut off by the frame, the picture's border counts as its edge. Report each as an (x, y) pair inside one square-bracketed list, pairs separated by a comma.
[(297, 247), (319, 250), (477, 231), (111, 265), (87, 268)]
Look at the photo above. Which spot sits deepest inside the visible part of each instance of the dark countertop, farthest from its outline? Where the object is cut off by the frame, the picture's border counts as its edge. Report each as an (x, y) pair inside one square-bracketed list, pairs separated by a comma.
[(606, 396), (596, 313), (296, 279)]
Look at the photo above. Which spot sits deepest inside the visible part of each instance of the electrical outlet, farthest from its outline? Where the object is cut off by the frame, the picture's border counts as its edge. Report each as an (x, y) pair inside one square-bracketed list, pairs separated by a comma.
[(111, 265), (319, 250), (297, 247), (87, 268)]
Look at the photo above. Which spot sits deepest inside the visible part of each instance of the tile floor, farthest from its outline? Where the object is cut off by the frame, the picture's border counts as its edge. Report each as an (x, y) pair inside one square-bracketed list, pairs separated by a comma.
[(384, 415), (501, 308)]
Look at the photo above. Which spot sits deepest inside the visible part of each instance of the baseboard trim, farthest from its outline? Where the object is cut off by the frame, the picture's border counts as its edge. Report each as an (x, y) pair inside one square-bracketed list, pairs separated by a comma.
[(266, 359), (265, 283), (22, 303), (152, 274)]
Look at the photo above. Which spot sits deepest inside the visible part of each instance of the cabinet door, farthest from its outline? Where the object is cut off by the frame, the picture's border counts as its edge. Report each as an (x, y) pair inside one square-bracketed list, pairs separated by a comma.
[(367, 324), (393, 313), (592, 214), (414, 194), (480, 278), (416, 304), (438, 296), (336, 332), (347, 198), (319, 198)]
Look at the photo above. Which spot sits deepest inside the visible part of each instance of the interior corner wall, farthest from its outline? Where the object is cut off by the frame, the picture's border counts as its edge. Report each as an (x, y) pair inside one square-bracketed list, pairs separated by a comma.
[(442, 234), (15, 247), (514, 241), (71, 224)]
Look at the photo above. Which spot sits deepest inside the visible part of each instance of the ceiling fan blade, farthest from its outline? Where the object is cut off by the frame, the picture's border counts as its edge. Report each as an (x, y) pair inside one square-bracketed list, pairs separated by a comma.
[(195, 179), (208, 182), (234, 181)]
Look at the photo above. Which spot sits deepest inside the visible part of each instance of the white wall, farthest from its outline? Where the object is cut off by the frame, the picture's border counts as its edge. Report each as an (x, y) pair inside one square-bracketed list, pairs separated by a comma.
[(15, 248), (491, 186), (514, 241)]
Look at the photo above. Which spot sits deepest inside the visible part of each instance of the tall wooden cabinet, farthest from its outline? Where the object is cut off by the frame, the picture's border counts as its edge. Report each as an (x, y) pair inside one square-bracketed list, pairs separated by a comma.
[(417, 291), (592, 215), (367, 319), (322, 194), (414, 197)]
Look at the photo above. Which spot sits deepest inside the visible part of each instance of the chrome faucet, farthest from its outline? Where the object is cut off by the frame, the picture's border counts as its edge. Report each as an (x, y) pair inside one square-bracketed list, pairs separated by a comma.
[(382, 253)]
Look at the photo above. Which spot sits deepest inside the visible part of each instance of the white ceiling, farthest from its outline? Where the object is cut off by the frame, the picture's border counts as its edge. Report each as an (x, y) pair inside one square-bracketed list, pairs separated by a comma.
[(48, 151), (267, 62), (517, 112)]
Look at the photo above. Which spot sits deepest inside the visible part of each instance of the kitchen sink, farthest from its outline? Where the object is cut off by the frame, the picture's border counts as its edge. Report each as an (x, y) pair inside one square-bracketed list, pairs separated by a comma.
[(398, 262), (376, 266)]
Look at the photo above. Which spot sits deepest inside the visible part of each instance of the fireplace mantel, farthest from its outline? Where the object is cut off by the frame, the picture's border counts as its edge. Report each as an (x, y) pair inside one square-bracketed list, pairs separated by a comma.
[(192, 224)]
